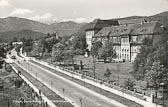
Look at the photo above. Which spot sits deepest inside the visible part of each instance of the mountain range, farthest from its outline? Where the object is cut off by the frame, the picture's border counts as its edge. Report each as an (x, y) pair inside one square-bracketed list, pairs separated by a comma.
[(13, 26)]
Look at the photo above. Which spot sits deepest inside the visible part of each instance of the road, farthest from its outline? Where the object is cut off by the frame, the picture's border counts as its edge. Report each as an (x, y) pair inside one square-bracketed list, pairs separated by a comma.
[(77, 95)]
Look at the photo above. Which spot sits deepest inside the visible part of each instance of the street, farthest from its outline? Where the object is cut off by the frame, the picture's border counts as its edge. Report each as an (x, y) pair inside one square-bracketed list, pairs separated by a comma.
[(76, 95)]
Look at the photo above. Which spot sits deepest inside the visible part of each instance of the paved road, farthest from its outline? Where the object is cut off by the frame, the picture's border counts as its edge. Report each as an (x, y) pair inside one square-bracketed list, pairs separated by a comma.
[(67, 89)]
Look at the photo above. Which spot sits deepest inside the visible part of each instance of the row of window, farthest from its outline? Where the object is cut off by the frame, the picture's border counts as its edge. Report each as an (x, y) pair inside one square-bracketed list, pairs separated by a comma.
[(123, 56), (88, 39), (89, 33)]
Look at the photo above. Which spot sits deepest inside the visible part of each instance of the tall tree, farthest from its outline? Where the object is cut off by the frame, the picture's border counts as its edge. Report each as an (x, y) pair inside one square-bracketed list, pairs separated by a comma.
[(2, 55), (107, 50), (58, 52), (141, 59), (94, 51), (157, 74), (50, 42), (95, 48)]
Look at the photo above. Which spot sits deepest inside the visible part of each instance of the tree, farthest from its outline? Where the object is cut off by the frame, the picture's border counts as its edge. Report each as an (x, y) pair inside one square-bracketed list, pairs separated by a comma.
[(40, 47), (58, 52), (15, 39), (95, 48), (140, 62), (107, 50), (130, 84), (2, 52), (27, 45), (94, 51), (50, 43), (107, 73), (1, 63), (157, 74)]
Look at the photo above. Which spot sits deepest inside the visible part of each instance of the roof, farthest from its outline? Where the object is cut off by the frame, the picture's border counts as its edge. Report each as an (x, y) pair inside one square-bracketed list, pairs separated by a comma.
[(96, 24), (104, 32), (99, 24), (148, 28), (111, 22), (132, 21), (137, 29), (114, 31)]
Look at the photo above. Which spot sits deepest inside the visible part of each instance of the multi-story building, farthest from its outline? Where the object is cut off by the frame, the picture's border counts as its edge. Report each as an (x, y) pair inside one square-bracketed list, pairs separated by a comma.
[(95, 27), (127, 40)]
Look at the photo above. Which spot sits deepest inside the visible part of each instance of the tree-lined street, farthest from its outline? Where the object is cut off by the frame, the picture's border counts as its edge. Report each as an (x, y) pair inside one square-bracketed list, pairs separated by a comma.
[(67, 89)]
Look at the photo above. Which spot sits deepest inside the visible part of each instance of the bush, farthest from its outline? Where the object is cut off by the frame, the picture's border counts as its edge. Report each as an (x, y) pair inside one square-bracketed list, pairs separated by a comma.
[(8, 68)]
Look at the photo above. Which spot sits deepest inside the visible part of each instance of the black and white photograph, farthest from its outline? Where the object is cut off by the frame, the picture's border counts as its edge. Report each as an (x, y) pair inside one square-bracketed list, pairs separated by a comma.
[(83, 53)]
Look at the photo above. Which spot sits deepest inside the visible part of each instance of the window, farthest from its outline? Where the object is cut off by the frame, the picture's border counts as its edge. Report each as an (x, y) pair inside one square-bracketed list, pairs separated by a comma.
[(123, 30), (143, 30), (116, 31)]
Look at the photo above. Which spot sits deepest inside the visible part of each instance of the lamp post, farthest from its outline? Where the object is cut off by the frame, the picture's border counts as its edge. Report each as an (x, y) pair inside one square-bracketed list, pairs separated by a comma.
[(36, 75), (162, 87), (118, 72), (63, 90), (80, 99)]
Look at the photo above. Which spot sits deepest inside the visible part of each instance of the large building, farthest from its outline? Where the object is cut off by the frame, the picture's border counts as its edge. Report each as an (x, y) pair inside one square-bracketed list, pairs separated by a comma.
[(127, 38), (94, 27)]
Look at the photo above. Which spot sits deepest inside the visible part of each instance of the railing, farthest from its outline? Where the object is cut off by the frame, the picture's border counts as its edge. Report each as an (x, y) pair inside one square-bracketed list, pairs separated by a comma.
[(98, 80), (111, 87)]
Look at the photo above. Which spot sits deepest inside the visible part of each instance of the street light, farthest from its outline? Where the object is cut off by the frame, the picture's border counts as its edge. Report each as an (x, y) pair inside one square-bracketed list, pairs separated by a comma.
[(36, 75), (80, 99), (118, 72), (162, 85), (51, 84), (63, 90)]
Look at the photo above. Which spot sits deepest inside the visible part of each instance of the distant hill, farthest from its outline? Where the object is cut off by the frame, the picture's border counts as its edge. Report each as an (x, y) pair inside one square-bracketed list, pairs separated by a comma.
[(8, 35), (66, 28), (17, 24)]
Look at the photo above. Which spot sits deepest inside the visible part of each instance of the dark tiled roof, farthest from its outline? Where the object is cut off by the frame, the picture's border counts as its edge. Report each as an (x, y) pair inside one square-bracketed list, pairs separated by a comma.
[(137, 29), (115, 31), (104, 32), (99, 24), (147, 28), (96, 24), (111, 22), (132, 21)]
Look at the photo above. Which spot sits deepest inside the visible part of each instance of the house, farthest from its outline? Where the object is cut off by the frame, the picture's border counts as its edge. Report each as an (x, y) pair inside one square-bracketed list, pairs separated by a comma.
[(94, 27), (17, 43)]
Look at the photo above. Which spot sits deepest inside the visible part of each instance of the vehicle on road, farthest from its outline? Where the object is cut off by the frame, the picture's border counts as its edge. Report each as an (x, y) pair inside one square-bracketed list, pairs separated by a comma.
[(13, 57)]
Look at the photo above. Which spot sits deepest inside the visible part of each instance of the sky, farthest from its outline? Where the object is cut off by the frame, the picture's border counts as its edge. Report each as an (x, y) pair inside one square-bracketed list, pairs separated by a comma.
[(49, 11)]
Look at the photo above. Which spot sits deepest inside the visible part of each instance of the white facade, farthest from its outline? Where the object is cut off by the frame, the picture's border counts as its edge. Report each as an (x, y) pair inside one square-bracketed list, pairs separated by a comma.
[(89, 36), (17, 43), (125, 49)]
